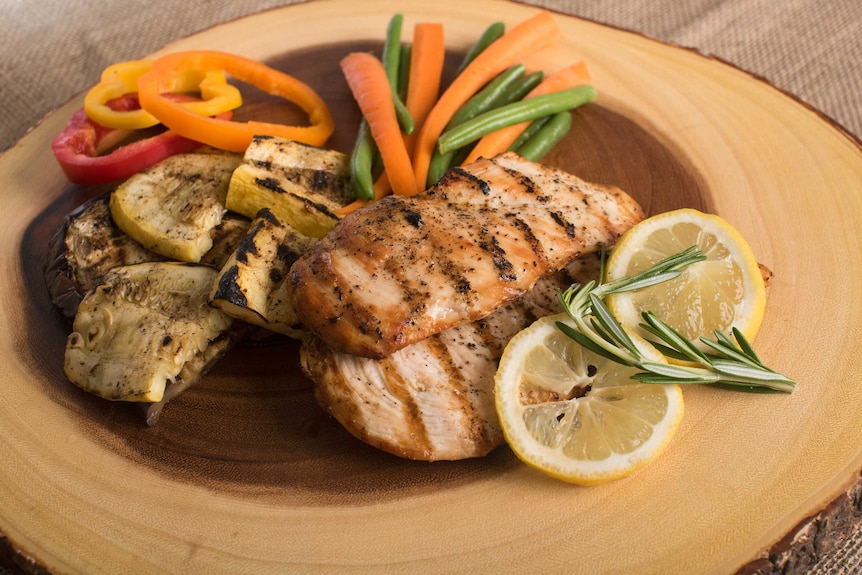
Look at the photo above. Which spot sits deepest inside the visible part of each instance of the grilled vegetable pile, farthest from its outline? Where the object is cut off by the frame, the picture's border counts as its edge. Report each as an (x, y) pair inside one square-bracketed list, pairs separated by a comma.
[(184, 260)]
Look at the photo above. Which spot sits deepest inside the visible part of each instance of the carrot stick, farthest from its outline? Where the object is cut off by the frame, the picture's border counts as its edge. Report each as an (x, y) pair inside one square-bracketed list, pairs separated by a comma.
[(381, 188), (426, 71), (499, 141), (371, 89), (535, 33), (351, 207)]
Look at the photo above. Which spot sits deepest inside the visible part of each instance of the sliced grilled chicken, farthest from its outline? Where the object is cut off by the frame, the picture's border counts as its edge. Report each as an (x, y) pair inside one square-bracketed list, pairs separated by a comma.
[(141, 327), (404, 268), (252, 285), (434, 399)]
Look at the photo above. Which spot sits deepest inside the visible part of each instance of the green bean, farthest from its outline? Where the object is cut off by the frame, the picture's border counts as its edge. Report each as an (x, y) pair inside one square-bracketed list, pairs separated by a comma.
[(554, 130), (490, 34), (361, 160), (492, 95), (391, 63), (522, 87), (404, 71), (442, 163), (392, 48), (487, 97), (514, 113), (405, 120), (534, 127), (439, 165)]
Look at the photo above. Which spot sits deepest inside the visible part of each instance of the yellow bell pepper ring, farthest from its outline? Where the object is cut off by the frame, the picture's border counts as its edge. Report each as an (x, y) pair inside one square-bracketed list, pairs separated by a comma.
[(120, 79), (225, 134)]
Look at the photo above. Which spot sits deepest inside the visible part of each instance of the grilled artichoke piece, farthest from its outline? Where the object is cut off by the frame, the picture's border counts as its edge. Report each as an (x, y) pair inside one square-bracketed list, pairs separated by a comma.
[(251, 286), (136, 331), (303, 185), (194, 369), (172, 207), (83, 249)]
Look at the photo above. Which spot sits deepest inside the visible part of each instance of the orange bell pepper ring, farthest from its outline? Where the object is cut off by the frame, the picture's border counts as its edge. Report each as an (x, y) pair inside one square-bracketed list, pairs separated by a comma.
[(231, 135), (120, 79)]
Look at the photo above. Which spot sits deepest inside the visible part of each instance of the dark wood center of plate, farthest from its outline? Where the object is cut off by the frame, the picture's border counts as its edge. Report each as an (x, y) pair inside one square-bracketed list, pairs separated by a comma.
[(252, 427)]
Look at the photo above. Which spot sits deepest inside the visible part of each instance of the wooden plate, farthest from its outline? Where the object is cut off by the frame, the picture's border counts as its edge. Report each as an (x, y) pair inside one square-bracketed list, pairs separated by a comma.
[(243, 474)]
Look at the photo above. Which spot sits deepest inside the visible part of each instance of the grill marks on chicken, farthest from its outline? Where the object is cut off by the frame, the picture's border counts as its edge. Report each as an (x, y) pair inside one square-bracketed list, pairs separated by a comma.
[(405, 268), (434, 399)]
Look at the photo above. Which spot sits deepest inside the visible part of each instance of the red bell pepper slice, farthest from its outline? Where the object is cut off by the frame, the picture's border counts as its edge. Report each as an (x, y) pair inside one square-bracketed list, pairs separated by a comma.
[(77, 147)]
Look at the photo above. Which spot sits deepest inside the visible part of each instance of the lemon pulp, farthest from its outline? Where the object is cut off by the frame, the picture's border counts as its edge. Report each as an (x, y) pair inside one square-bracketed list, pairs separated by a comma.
[(576, 415), (722, 292)]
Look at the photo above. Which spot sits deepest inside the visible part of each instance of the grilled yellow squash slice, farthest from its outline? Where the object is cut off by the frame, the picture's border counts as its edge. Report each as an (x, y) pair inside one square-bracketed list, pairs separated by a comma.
[(173, 207), (302, 185)]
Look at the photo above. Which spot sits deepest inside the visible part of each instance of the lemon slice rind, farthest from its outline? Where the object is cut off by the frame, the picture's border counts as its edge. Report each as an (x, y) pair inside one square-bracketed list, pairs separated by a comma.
[(540, 433)]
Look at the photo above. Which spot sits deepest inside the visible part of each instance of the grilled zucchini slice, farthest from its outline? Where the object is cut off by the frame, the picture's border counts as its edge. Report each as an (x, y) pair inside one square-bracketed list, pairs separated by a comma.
[(173, 207), (252, 285), (136, 331)]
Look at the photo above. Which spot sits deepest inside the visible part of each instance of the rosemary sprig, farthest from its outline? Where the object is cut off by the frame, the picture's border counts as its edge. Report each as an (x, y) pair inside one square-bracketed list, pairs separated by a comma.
[(729, 362)]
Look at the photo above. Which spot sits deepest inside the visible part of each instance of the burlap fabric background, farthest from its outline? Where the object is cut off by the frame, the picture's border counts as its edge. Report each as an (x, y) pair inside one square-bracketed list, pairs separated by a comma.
[(54, 49)]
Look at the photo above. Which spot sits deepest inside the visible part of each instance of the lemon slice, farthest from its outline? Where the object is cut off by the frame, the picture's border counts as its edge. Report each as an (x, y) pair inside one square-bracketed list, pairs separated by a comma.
[(724, 291), (578, 416)]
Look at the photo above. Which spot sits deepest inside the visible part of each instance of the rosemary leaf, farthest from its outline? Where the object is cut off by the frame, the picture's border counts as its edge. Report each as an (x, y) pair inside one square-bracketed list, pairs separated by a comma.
[(669, 352), (588, 344), (745, 372), (748, 388), (744, 345), (733, 366), (679, 372), (653, 378), (729, 351), (646, 282), (611, 325), (673, 338)]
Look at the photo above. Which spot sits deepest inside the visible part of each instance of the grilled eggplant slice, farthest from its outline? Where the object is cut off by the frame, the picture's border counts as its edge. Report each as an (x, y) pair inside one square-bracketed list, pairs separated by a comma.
[(173, 207), (252, 284), (140, 327), (88, 244), (303, 185), (83, 249)]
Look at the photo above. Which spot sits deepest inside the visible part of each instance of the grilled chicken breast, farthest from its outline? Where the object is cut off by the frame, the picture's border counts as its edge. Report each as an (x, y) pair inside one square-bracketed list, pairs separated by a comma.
[(434, 399), (405, 268)]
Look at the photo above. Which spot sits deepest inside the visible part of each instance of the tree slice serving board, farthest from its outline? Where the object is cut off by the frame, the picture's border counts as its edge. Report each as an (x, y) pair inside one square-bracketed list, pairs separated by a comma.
[(244, 473)]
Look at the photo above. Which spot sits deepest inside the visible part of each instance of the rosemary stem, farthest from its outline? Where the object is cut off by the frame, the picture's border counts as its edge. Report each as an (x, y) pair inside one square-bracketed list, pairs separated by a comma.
[(734, 364)]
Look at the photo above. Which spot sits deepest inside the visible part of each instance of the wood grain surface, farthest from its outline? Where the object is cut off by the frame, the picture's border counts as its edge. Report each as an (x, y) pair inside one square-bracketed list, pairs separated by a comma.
[(244, 473)]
